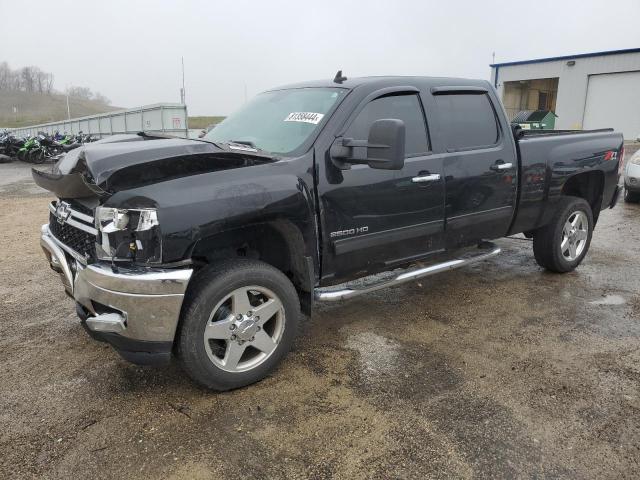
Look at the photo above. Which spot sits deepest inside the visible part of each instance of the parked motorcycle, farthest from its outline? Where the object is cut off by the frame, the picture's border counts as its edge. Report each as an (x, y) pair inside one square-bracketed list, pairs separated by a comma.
[(10, 144), (28, 145), (41, 147)]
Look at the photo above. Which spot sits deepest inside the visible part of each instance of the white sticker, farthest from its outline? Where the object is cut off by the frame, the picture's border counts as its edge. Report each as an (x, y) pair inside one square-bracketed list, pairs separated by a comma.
[(305, 117)]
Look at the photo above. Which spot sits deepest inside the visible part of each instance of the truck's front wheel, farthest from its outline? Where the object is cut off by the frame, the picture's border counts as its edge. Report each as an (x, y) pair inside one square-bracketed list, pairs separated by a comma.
[(630, 197), (561, 245), (239, 321)]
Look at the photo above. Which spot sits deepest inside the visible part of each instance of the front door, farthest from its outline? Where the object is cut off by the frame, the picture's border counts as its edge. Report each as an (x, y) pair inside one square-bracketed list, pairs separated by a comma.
[(374, 219)]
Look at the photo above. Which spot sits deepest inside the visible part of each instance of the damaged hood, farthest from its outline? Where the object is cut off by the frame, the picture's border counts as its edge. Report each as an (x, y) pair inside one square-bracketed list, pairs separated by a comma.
[(128, 161)]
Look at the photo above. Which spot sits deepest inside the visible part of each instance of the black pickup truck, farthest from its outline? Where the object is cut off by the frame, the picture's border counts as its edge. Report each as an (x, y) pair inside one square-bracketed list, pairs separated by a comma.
[(210, 250)]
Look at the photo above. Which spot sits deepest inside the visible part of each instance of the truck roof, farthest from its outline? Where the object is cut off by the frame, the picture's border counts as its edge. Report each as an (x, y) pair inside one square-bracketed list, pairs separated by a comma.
[(376, 82)]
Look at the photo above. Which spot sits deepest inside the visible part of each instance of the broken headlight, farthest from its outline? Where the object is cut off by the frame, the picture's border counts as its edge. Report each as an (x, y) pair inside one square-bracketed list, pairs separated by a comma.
[(128, 235)]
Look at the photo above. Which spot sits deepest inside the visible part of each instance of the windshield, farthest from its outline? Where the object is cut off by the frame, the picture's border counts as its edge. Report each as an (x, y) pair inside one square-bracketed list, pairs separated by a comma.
[(279, 121)]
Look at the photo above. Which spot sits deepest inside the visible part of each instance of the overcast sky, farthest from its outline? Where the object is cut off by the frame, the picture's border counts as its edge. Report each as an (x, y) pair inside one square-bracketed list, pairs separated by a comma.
[(130, 50)]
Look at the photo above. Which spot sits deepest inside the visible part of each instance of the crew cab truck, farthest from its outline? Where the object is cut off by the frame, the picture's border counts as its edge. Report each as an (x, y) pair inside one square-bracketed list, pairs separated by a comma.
[(210, 250)]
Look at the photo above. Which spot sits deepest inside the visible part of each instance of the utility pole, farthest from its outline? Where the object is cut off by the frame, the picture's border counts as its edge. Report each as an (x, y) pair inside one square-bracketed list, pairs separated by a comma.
[(493, 58), (68, 109), (183, 94)]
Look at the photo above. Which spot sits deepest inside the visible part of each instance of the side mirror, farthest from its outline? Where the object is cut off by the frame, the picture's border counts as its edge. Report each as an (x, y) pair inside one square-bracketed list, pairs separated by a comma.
[(386, 144), (384, 148)]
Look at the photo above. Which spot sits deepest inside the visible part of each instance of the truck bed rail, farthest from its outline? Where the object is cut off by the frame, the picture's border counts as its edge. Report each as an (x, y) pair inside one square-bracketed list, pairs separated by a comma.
[(522, 133)]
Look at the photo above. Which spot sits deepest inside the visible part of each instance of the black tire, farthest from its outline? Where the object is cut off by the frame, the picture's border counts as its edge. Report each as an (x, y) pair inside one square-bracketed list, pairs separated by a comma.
[(547, 240), (630, 197), (211, 286), (37, 156)]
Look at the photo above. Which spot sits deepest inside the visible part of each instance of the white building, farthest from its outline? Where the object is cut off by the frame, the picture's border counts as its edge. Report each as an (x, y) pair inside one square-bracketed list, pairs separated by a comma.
[(591, 90)]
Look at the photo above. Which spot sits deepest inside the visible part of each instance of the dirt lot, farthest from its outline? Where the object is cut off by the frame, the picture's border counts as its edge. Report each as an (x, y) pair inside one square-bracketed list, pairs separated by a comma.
[(498, 370)]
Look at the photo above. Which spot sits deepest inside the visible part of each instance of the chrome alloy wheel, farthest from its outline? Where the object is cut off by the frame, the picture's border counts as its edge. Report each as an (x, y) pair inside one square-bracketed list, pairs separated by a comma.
[(574, 236), (244, 329)]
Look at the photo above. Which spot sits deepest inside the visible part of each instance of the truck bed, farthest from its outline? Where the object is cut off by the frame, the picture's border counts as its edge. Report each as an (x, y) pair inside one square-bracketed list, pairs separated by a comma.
[(549, 157)]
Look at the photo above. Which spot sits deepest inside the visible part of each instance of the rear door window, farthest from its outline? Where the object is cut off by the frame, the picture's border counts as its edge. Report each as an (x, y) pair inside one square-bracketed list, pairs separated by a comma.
[(469, 121)]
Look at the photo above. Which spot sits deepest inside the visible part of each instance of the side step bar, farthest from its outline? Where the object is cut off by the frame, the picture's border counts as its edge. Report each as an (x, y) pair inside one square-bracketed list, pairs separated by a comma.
[(487, 250)]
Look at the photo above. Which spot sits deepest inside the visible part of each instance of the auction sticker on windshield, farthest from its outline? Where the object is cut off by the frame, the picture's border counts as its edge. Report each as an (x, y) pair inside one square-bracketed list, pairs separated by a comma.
[(305, 117)]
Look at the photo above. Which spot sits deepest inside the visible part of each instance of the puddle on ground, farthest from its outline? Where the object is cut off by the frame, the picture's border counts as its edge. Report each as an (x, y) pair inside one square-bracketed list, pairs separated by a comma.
[(609, 300)]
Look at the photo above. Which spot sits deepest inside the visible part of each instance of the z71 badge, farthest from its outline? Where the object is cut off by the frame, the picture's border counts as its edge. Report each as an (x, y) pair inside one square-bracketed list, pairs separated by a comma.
[(350, 231)]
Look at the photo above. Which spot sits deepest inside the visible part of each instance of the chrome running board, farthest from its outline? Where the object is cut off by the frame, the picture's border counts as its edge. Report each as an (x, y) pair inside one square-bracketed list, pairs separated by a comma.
[(330, 294)]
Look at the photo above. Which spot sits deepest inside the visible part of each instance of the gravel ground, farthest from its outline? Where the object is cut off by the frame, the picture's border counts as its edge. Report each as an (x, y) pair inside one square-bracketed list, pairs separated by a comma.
[(498, 370)]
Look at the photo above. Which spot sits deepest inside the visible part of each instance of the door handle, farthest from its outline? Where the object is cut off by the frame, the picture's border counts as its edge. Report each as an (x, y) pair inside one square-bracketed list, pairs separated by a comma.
[(501, 166), (433, 177)]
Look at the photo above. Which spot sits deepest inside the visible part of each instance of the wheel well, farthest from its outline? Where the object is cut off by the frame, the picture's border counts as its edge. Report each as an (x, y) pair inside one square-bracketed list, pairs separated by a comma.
[(587, 185), (278, 243)]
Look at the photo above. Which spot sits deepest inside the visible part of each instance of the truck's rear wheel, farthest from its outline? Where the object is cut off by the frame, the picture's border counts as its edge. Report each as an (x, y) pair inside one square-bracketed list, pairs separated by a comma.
[(239, 321), (561, 245)]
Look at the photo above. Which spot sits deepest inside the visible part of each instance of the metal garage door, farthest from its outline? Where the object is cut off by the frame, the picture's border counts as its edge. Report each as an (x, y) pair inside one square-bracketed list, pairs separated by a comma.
[(613, 100)]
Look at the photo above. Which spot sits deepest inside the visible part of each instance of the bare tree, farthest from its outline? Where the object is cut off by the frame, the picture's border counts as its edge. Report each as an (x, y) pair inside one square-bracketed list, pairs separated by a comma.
[(48, 86), (83, 93), (5, 76), (40, 79), (33, 79), (27, 79), (98, 97), (13, 80)]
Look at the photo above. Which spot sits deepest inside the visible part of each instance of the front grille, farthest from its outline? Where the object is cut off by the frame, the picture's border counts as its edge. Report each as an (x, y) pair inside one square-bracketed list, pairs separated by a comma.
[(80, 241), (78, 207)]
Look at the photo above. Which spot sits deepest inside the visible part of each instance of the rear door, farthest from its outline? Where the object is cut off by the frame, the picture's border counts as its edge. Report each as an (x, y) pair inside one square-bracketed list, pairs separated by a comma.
[(373, 219), (480, 166)]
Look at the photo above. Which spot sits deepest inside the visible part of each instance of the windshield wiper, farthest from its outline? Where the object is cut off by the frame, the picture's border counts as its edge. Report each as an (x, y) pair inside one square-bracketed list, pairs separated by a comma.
[(239, 146), (247, 146), (208, 141)]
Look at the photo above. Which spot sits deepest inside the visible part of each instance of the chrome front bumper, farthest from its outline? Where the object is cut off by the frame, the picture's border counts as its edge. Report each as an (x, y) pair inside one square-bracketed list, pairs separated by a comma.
[(140, 304)]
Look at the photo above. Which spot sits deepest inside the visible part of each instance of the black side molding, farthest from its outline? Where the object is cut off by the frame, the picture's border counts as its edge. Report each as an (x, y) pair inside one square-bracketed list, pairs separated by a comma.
[(469, 219), (369, 240)]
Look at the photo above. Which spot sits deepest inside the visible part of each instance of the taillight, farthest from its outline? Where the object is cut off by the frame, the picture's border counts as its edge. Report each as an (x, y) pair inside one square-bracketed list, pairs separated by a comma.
[(621, 161)]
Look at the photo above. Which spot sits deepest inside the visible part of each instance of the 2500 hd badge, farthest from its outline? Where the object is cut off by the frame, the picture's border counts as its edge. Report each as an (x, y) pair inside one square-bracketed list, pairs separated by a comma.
[(351, 231)]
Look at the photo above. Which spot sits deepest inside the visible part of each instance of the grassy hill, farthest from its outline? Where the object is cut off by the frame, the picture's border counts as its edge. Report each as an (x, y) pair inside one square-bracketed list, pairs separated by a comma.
[(35, 108), (203, 122)]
